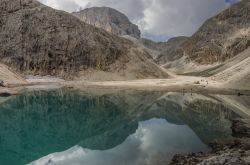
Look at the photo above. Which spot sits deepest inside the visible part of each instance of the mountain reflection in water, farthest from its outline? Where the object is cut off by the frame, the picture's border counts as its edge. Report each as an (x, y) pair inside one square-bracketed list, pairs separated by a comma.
[(128, 127)]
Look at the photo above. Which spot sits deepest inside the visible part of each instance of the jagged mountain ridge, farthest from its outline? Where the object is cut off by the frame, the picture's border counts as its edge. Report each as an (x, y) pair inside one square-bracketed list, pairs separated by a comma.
[(110, 20), (36, 39)]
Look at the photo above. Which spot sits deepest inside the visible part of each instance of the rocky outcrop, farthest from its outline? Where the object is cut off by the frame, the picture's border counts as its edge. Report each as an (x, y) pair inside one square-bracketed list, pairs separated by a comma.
[(235, 151), (36, 39), (241, 128), (110, 20), (5, 94)]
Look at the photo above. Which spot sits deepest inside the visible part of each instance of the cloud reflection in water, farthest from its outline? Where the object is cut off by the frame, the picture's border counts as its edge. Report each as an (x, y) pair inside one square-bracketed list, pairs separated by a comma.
[(146, 146)]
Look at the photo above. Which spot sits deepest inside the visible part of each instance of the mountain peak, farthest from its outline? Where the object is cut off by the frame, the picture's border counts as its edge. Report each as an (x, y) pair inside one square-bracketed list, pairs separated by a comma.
[(110, 20)]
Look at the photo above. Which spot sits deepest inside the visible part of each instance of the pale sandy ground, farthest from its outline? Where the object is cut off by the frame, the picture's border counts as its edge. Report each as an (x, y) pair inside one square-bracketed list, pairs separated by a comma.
[(175, 84), (147, 84), (43, 79)]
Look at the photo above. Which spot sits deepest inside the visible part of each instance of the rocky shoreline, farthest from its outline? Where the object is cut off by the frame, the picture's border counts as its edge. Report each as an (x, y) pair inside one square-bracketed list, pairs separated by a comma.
[(233, 152)]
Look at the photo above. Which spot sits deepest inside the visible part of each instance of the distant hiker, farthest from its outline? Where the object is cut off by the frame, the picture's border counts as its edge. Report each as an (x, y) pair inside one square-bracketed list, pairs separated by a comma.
[(1, 83), (240, 94)]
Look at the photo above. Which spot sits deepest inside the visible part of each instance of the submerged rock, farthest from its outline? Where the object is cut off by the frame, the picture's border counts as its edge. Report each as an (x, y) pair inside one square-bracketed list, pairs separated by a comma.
[(241, 128)]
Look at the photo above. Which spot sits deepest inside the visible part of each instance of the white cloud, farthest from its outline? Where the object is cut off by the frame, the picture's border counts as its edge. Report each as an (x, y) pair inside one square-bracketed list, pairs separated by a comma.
[(157, 19)]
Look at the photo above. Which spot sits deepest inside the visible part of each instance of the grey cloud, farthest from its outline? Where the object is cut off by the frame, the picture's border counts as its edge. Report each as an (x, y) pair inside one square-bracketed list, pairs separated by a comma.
[(67, 5), (134, 9), (158, 19), (231, 2)]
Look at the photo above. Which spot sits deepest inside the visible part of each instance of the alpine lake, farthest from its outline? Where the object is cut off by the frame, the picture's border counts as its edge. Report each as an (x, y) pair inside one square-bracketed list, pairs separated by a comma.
[(102, 127)]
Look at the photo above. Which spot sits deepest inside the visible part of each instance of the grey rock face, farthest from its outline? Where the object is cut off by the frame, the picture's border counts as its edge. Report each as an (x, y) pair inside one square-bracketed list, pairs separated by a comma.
[(36, 39), (110, 20)]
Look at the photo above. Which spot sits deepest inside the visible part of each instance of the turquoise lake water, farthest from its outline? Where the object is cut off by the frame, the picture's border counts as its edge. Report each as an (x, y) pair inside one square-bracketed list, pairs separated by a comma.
[(108, 128)]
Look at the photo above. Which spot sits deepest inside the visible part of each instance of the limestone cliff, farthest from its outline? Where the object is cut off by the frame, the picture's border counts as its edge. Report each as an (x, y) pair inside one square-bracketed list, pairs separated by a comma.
[(110, 20)]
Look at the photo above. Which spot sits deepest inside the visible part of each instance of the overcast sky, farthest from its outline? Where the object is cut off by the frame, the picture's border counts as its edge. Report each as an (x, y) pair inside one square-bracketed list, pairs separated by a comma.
[(157, 19)]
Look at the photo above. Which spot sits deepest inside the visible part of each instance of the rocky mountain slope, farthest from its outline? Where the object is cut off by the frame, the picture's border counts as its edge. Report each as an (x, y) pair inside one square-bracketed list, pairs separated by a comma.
[(235, 72), (38, 40), (218, 40), (221, 37), (110, 20), (224, 41)]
